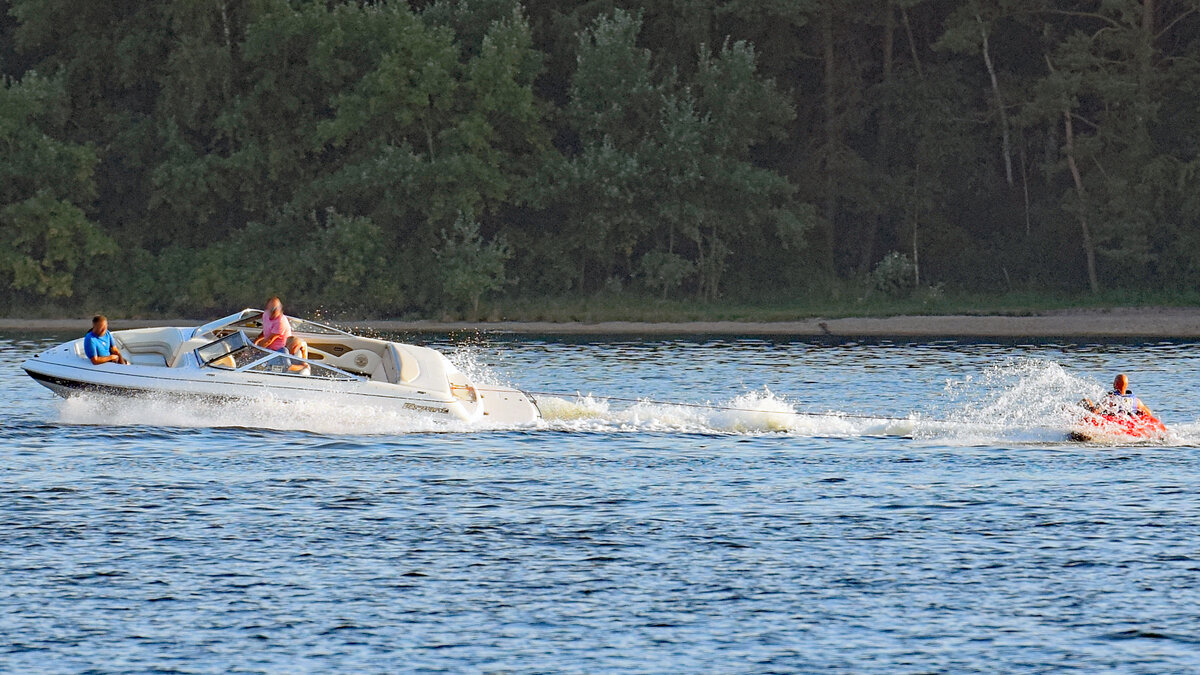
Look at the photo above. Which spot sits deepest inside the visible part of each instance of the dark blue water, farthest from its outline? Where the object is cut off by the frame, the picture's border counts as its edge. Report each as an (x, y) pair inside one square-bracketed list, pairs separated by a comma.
[(616, 537)]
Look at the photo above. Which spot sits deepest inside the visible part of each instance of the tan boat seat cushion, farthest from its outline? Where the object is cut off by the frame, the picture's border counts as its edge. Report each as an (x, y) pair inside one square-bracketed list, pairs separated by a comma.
[(360, 361), (403, 364)]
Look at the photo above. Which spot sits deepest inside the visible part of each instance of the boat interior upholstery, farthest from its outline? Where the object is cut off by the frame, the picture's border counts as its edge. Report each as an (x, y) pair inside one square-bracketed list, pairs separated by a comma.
[(149, 346), (376, 359)]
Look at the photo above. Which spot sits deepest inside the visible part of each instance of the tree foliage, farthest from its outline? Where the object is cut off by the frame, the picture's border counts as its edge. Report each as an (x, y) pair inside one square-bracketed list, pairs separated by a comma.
[(420, 156), (468, 265), (45, 236)]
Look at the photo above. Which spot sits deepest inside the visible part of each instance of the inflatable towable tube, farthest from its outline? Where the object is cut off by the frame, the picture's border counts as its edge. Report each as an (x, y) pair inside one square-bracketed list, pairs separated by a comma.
[(1096, 426)]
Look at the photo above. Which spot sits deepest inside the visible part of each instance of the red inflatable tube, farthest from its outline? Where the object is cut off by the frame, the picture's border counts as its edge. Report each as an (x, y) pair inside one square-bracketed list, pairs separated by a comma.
[(1134, 427)]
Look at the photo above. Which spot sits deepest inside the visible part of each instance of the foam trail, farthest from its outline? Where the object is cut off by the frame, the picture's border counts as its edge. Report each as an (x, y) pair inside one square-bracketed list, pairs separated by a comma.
[(1022, 400), (756, 411), (556, 409), (1186, 434), (750, 413), (329, 417), (1018, 401)]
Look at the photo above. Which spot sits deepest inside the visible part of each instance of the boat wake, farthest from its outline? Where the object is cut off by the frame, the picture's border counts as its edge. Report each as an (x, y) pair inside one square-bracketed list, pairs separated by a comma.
[(1020, 401), (328, 417), (750, 413)]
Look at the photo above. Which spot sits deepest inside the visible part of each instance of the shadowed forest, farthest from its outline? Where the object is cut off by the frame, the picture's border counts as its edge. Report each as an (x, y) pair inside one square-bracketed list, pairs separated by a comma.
[(408, 158)]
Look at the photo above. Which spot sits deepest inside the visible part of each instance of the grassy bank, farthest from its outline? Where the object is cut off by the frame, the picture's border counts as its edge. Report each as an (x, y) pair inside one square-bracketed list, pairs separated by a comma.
[(832, 303), (826, 305)]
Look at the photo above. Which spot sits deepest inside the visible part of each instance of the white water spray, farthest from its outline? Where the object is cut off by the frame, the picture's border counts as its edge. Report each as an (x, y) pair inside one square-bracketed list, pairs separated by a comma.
[(1018, 401)]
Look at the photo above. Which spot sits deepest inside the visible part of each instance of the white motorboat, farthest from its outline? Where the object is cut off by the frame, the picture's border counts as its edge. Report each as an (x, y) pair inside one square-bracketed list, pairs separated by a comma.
[(219, 360)]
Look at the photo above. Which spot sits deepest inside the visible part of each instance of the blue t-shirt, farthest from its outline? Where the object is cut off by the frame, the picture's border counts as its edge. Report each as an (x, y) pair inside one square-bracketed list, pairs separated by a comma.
[(97, 346)]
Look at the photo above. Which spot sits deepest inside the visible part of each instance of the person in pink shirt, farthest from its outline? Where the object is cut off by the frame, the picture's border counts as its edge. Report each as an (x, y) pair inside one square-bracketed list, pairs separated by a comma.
[(276, 329)]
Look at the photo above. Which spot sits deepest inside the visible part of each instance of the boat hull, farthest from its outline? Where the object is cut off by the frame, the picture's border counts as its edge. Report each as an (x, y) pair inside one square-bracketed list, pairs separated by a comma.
[(219, 362), (506, 405)]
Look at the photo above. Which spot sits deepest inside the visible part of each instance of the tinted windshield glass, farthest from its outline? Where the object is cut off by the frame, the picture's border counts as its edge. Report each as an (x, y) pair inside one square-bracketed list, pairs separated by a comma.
[(254, 322), (238, 359), (251, 320), (298, 326), (285, 365), (302, 326), (226, 345)]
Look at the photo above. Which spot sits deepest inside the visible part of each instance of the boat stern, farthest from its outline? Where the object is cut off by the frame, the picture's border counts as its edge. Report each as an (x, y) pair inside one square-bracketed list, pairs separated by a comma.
[(506, 405)]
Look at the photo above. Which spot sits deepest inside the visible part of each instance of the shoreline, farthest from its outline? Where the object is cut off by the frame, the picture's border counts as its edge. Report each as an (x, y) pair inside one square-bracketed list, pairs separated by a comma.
[(1106, 323)]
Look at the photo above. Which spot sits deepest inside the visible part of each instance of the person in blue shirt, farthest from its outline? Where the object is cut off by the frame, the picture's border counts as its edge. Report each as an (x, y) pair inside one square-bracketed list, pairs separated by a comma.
[(98, 343)]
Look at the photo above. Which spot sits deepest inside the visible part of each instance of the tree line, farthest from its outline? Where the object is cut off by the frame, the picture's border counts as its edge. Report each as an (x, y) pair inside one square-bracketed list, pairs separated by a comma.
[(400, 157)]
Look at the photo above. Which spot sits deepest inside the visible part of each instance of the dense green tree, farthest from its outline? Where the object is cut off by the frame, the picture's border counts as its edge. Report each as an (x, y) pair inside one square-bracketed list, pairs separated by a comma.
[(664, 166), (45, 185), (686, 148), (109, 55), (469, 266)]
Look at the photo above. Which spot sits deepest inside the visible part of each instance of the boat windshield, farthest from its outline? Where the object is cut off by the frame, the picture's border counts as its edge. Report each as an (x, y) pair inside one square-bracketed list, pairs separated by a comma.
[(236, 352), (225, 347), (251, 319), (290, 365), (225, 321)]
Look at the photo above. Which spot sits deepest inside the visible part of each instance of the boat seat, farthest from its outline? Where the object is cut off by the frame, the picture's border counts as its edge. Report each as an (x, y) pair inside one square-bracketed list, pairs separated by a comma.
[(400, 366), (359, 361), (143, 346), (149, 346), (146, 359)]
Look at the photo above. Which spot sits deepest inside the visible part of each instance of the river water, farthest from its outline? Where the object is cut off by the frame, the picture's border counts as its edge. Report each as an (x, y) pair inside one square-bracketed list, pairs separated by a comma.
[(929, 516)]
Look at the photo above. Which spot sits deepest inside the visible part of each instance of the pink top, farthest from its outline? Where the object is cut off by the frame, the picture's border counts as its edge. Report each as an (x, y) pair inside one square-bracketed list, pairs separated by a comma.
[(277, 331)]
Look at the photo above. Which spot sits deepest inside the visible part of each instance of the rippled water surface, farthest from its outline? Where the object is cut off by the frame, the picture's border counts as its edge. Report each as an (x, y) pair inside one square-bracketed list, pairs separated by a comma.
[(929, 515)]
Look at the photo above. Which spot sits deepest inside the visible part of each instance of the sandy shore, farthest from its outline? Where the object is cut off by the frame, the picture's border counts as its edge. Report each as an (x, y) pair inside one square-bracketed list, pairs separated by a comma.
[(1111, 323)]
